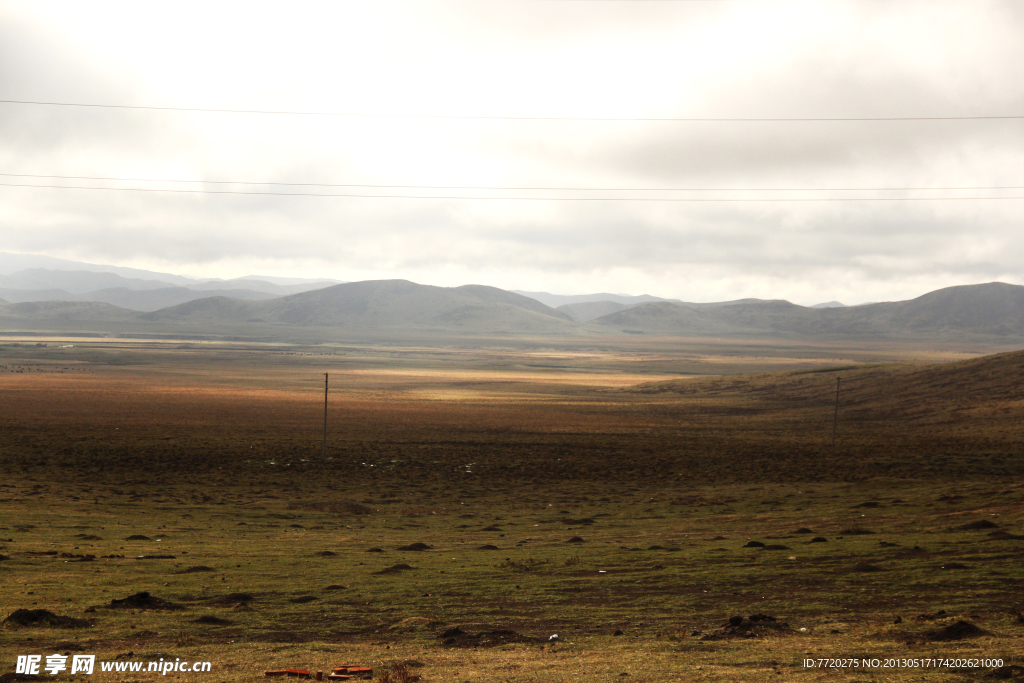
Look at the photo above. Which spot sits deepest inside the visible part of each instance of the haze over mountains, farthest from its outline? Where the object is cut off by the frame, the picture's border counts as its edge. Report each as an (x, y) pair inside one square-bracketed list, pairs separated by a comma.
[(131, 288), (89, 301)]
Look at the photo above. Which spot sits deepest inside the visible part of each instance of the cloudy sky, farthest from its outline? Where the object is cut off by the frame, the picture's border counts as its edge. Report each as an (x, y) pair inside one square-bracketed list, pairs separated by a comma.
[(504, 142)]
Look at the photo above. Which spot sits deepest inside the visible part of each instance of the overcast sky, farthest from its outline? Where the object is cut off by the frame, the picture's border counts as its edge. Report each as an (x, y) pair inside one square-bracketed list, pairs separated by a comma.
[(577, 59)]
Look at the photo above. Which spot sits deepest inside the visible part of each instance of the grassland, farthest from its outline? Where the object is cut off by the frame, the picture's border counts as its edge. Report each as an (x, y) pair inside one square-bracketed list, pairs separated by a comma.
[(665, 460)]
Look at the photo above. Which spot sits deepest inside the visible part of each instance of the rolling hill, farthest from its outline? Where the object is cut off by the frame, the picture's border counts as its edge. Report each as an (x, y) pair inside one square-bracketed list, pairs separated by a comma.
[(995, 309), (381, 305)]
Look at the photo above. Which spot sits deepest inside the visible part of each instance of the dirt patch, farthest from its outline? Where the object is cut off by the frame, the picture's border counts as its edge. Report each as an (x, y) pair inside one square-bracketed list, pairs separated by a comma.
[(980, 524), (488, 547), (866, 567), (88, 537), (418, 547), (302, 599), (212, 620), (231, 599), (803, 530), (45, 618), (857, 532), (198, 568), (456, 637), (959, 630), (335, 587), (754, 626), (753, 544), (342, 507), (138, 537), (395, 569), (325, 553), (143, 600), (585, 521)]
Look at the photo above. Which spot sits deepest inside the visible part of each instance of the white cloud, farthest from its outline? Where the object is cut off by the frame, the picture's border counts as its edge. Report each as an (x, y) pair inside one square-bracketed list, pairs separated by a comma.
[(603, 59)]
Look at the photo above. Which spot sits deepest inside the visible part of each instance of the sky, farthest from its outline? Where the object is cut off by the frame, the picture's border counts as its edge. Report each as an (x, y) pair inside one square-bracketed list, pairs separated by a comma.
[(442, 112)]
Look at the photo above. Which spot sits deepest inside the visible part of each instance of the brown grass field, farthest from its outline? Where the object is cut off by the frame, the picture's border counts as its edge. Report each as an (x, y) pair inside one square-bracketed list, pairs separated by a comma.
[(665, 458)]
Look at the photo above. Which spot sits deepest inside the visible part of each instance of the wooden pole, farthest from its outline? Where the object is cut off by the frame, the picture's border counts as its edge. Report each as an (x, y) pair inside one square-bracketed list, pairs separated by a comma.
[(325, 416), (835, 416)]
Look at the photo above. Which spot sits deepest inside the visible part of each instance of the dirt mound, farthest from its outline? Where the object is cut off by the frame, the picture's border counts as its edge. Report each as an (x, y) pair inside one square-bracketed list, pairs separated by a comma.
[(1005, 536), (717, 538), (88, 537), (1005, 672), (776, 546), (488, 547), (143, 600), (868, 504), (585, 521), (198, 568), (138, 537), (954, 565), (341, 507), (803, 530), (491, 528), (212, 620), (754, 626), (575, 539), (866, 567), (416, 546), (456, 637), (980, 524), (302, 599), (335, 587), (395, 568), (231, 599), (818, 539), (44, 617), (325, 553), (375, 550), (857, 532), (959, 630), (753, 544)]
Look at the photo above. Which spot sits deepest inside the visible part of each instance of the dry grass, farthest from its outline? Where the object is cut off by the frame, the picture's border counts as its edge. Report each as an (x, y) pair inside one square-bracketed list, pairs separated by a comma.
[(214, 455)]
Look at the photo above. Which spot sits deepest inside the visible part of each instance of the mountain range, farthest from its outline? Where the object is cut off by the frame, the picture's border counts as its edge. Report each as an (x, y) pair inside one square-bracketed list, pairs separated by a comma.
[(81, 301)]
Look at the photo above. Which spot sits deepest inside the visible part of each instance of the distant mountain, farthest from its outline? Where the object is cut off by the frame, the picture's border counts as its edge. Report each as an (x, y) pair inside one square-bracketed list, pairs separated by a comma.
[(74, 281), (586, 311), (993, 309), (556, 300), (12, 263), (386, 308), (381, 305), (829, 304), (65, 311)]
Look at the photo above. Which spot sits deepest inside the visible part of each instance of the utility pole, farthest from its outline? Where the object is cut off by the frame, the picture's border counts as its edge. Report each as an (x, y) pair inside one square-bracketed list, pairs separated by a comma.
[(835, 417), (325, 416)]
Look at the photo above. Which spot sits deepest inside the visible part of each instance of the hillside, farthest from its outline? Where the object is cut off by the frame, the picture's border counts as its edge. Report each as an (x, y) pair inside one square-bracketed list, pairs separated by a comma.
[(63, 311), (381, 305), (964, 312)]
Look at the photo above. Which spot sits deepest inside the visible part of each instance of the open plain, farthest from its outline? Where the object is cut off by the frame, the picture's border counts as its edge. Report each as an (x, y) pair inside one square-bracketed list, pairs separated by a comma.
[(630, 496)]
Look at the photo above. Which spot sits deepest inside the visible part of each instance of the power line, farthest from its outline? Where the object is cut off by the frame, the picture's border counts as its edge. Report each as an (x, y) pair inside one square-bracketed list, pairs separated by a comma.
[(511, 188), (546, 199), (669, 119)]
